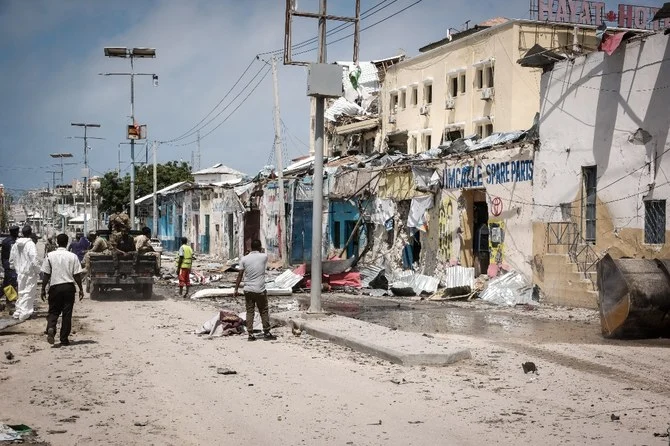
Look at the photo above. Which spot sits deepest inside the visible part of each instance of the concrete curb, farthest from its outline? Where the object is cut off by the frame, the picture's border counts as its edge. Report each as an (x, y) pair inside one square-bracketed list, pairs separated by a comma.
[(404, 348)]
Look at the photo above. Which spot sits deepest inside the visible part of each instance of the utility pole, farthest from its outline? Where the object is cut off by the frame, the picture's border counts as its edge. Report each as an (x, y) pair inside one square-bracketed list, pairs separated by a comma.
[(323, 74), (280, 167), (132, 54), (155, 199), (86, 172)]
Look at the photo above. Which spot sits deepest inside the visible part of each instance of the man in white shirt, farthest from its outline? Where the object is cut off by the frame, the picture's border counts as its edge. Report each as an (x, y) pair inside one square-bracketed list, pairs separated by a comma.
[(23, 259), (62, 270), (252, 267)]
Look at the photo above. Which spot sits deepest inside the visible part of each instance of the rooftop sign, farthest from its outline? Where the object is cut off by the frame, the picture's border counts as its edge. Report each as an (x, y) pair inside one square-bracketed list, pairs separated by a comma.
[(595, 13)]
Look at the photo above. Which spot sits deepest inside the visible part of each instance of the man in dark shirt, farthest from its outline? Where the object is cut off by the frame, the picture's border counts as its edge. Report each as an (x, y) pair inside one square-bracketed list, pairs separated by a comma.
[(80, 246), (10, 274)]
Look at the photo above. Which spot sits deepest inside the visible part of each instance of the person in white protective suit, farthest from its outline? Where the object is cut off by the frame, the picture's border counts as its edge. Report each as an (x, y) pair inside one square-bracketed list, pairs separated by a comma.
[(23, 259)]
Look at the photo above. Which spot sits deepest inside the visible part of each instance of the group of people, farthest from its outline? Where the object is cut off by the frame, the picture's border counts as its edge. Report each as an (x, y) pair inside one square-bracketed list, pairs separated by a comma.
[(61, 270)]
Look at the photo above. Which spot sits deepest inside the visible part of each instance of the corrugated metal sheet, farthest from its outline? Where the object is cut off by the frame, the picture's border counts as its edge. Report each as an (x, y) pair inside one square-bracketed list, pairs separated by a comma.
[(419, 282), (509, 289), (459, 276), (368, 273), (287, 279)]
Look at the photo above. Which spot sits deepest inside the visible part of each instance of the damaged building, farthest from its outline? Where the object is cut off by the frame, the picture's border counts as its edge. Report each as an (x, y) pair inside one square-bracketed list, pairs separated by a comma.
[(600, 184)]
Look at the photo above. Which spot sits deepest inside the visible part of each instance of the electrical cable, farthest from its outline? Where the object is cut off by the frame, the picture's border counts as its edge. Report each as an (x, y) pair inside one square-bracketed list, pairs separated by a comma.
[(364, 28), (189, 132), (365, 14), (267, 71)]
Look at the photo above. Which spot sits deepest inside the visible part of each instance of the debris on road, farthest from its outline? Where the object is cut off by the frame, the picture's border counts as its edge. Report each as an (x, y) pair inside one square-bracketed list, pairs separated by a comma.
[(529, 367), (9, 355), (210, 293), (510, 289), (615, 417), (223, 371), (15, 432)]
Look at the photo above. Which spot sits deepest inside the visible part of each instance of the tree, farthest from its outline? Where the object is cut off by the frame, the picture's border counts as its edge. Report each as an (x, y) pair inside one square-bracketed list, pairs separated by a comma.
[(114, 191)]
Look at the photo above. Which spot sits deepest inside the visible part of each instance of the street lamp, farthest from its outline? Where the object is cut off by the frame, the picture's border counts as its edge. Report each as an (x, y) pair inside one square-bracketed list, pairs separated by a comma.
[(132, 54), (86, 173), (61, 156)]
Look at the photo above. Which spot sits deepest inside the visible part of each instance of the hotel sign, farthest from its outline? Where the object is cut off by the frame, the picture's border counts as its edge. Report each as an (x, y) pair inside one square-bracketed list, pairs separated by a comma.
[(595, 13)]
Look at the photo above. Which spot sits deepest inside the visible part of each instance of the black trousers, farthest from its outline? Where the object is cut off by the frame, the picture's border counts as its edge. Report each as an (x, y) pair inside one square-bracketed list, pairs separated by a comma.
[(61, 300)]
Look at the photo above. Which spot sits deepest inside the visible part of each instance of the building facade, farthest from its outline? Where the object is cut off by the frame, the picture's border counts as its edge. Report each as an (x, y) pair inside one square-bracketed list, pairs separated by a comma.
[(600, 175), (471, 83)]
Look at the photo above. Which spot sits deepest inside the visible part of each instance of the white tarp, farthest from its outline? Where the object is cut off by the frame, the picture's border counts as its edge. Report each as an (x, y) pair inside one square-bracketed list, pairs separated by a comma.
[(382, 210), (417, 212)]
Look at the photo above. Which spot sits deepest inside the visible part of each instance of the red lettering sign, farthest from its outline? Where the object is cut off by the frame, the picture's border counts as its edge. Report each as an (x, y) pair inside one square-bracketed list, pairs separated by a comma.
[(593, 13)]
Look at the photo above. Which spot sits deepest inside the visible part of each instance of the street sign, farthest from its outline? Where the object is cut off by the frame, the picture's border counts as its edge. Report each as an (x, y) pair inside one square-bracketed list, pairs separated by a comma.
[(137, 131)]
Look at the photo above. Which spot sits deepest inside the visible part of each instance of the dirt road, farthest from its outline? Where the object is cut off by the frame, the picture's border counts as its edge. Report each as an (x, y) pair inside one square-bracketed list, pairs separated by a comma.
[(135, 374)]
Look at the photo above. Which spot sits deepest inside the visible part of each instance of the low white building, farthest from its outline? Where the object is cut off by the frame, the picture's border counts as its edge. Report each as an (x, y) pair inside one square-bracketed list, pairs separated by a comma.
[(601, 175), (216, 174)]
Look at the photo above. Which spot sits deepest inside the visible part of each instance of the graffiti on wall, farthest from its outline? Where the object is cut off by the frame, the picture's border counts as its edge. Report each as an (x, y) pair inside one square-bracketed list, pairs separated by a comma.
[(446, 229)]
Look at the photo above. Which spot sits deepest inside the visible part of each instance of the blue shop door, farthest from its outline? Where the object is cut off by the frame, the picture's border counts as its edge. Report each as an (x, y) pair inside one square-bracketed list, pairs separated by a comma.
[(204, 239), (301, 235)]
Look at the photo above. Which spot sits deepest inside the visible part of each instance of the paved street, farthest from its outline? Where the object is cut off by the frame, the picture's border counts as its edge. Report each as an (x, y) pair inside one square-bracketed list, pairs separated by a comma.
[(136, 374)]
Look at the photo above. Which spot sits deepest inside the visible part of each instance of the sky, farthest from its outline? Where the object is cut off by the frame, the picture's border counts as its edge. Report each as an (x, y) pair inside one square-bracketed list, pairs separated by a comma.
[(51, 52)]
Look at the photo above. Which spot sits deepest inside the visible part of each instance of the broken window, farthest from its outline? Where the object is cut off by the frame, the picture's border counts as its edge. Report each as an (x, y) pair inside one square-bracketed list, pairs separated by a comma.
[(426, 141), (393, 102), (453, 134), (654, 222), (428, 94), (589, 174), (453, 86), (484, 130), (489, 76)]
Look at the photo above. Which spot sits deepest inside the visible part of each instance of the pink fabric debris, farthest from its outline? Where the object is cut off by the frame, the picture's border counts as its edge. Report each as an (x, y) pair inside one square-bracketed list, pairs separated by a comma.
[(611, 42)]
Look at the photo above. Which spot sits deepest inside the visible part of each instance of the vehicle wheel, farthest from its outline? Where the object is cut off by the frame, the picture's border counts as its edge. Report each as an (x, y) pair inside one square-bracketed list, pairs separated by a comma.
[(94, 291), (147, 291)]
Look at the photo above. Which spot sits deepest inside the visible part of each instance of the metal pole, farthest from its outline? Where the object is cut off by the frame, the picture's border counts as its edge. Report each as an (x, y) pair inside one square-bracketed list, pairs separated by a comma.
[(317, 211), (155, 199), (132, 145), (85, 182), (280, 167)]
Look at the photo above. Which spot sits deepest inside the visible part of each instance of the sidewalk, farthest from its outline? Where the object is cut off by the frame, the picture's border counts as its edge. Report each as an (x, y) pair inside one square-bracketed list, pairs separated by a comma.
[(399, 347)]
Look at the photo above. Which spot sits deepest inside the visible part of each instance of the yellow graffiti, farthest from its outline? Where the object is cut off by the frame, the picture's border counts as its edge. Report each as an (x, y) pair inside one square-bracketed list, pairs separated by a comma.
[(446, 232)]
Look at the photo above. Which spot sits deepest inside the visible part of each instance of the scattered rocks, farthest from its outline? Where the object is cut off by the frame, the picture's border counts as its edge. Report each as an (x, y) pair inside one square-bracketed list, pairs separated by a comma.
[(9, 355), (223, 371), (529, 367)]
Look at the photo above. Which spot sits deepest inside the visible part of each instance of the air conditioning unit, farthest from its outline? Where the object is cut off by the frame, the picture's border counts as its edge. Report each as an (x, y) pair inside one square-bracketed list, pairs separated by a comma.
[(425, 109), (450, 104), (391, 119), (487, 94)]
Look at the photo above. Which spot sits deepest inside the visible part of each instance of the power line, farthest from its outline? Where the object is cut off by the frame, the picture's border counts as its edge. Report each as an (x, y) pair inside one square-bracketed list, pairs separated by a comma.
[(230, 114), (364, 28), (365, 14), (190, 131)]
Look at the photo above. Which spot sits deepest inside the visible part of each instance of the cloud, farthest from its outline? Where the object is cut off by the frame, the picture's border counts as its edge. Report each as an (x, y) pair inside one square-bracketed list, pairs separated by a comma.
[(50, 76)]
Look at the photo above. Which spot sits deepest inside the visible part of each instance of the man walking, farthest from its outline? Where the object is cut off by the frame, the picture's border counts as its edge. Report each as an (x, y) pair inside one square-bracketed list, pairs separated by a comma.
[(184, 263), (62, 269), (7, 243), (80, 246), (252, 267), (23, 259)]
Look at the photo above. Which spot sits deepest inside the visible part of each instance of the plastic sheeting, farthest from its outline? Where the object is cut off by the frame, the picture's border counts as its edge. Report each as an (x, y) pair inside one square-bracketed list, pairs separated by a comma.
[(287, 279), (417, 212), (426, 179), (342, 107), (382, 210), (418, 282), (509, 289)]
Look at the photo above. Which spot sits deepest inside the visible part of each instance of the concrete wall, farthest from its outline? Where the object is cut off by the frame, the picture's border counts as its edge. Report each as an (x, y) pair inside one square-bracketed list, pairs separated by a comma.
[(516, 89), (590, 110), (503, 179)]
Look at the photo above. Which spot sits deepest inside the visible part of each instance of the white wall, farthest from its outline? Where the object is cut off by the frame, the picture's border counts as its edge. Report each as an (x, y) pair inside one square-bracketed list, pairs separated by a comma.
[(590, 107)]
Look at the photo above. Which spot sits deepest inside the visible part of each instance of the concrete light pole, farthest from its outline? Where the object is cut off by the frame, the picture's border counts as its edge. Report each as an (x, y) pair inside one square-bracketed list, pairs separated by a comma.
[(132, 54), (86, 172), (322, 83)]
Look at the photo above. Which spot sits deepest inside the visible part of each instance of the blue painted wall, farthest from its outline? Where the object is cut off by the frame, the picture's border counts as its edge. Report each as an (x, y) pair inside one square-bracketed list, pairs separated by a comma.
[(342, 218)]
